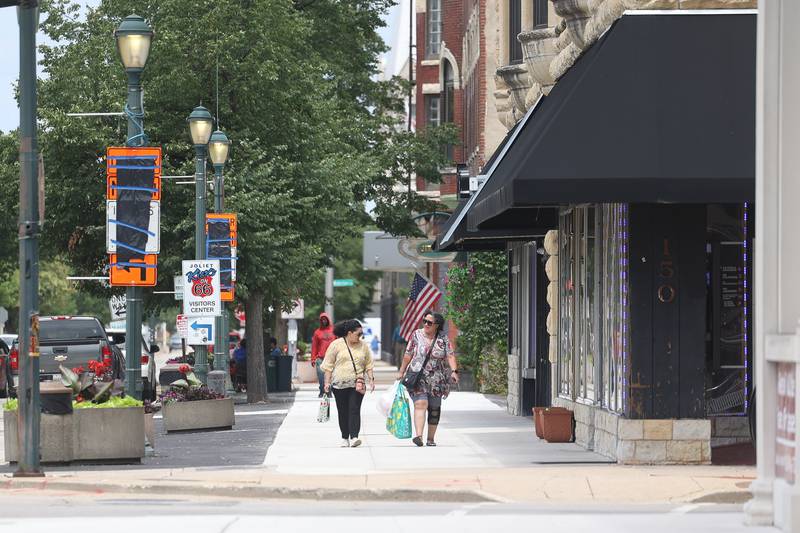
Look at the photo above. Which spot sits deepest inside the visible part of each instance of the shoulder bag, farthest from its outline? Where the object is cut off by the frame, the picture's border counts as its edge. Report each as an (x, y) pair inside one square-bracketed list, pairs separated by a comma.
[(412, 377), (361, 385)]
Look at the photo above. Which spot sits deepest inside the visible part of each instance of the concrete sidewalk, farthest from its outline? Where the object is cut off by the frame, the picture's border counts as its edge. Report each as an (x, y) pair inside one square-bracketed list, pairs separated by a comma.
[(483, 454)]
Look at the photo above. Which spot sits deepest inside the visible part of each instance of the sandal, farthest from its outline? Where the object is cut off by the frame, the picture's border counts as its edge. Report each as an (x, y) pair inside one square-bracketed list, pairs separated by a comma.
[(430, 443), (417, 441)]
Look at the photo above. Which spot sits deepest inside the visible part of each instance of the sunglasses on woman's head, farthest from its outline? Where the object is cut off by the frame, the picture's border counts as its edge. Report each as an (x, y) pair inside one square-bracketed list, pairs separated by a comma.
[(427, 322)]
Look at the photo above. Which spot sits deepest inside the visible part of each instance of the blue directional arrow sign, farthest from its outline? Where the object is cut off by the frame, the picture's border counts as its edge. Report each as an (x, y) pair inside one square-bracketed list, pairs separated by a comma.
[(201, 331)]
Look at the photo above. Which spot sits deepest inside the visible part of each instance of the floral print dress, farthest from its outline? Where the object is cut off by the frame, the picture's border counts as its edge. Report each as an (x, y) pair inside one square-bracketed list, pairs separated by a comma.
[(435, 379)]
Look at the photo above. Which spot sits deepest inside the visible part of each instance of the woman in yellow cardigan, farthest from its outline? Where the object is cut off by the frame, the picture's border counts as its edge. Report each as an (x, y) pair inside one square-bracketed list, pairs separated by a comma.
[(347, 364)]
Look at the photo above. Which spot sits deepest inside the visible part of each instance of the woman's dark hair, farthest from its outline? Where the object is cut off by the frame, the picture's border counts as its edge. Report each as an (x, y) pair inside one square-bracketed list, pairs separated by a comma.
[(340, 329), (438, 319)]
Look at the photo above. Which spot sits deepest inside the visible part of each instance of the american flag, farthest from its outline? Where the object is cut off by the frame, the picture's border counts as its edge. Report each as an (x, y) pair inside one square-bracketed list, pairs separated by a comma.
[(422, 296)]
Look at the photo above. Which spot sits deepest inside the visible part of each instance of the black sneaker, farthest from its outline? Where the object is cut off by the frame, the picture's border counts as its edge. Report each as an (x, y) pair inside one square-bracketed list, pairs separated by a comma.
[(321, 394), (417, 441)]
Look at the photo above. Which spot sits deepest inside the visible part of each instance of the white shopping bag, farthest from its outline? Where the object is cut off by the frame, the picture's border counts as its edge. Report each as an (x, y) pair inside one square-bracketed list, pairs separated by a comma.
[(384, 403)]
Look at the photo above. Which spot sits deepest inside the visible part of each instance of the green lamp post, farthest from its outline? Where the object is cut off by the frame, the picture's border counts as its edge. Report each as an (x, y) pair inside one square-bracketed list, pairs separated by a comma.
[(133, 38), (200, 124), (218, 149)]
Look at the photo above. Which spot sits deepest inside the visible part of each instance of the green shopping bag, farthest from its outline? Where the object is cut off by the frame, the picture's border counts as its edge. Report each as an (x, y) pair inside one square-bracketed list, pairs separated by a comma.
[(398, 423)]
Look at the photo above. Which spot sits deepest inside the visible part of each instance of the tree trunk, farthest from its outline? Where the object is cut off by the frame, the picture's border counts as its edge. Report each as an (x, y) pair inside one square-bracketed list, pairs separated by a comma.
[(254, 333)]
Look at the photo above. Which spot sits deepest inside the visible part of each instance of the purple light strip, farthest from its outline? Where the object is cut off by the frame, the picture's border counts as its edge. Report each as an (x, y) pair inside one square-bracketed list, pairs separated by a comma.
[(746, 300)]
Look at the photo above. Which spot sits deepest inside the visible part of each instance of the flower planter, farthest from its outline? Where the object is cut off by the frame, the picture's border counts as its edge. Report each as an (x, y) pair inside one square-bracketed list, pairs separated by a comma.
[(557, 424), (198, 415), (537, 421), (102, 434), (108, 434), (306, 372)]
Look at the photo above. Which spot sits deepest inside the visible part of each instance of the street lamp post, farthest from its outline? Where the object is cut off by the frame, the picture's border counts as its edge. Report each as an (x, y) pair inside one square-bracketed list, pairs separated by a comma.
[(200, 124), (133, 42), (29, 417), (218, 148)]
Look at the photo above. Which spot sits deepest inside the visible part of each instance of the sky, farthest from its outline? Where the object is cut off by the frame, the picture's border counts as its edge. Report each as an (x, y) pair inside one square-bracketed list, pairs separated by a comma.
[(9, 66)]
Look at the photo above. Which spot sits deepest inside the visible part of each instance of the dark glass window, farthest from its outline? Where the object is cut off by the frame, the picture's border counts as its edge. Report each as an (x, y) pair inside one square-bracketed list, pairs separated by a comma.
[(514, 29), (433, 37), (539, 13), (432, 110)]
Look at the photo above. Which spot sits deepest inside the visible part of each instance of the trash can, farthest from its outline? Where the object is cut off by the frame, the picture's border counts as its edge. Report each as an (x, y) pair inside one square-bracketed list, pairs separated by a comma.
[(272, 374), (284, 373)]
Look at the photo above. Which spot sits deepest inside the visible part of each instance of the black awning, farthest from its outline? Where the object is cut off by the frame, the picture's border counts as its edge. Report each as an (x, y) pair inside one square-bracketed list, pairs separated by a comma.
[(469, 239), (660, 110)]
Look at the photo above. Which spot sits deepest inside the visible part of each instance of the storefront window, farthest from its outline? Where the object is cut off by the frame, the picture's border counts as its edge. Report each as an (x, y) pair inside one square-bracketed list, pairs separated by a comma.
[(614, 252), (566, 306)]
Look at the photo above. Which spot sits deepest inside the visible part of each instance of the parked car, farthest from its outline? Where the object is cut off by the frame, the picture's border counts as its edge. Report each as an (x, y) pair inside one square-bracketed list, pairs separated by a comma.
[(148, 361), (8, 338), (71, 341)]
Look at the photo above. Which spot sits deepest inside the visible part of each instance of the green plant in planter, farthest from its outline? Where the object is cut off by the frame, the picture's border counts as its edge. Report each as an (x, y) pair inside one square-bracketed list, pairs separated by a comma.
[(188, 389), (94, 385)]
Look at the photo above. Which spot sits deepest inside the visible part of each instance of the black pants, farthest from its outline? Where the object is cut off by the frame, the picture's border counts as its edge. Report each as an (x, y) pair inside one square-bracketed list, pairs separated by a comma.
[(348, 406)]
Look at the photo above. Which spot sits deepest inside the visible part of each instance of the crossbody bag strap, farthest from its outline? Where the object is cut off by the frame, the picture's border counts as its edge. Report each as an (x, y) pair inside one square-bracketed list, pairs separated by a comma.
[(355, 371), (430, 351)]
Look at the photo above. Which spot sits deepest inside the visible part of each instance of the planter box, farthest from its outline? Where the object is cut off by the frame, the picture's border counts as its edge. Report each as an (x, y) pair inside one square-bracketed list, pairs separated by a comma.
[(201, 414), (306, 372), (537, 421), (557, 424), (113, 434)]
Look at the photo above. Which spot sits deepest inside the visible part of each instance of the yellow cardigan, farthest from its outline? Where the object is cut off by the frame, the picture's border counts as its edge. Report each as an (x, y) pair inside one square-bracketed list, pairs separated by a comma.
[(337, 360)]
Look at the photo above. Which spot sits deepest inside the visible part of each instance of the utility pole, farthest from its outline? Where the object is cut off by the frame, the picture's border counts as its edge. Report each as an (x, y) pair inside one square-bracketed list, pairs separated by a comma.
[(28, 415)]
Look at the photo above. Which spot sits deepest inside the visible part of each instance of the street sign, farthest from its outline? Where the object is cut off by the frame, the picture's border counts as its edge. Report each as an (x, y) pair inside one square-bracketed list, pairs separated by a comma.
[(297, 313), (201, 289), (182, 325), (200, 331), (119, 306), (130, 274), (221, 235), (153, 227), (344, 283), (123, 158), (178, 282)]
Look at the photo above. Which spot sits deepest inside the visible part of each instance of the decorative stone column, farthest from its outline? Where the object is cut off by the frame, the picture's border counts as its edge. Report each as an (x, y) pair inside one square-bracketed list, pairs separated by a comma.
[(502, 103), (551, 269)]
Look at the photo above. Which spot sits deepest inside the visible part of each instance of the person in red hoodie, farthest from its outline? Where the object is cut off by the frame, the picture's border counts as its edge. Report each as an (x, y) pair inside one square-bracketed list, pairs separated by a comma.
[(323, 336)]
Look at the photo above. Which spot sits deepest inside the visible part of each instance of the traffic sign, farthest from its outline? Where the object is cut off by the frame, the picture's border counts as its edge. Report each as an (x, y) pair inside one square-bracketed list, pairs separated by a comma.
[(344, 282), (130, 274), (182, 325), (119, 306), (153, 227), (201, 289), (200, 331), (178, 282)]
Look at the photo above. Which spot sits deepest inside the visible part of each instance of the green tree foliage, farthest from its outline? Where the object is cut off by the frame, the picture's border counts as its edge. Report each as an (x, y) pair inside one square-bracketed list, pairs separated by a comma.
[(477, 302), (313, 135)]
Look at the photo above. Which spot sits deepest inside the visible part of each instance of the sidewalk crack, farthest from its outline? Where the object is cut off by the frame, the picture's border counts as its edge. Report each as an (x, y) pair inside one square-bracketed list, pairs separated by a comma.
[(588, 484), (229, 524)]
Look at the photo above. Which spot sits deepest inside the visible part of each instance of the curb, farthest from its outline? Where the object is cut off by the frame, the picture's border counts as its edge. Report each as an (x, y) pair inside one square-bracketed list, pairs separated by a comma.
[(261, 492)]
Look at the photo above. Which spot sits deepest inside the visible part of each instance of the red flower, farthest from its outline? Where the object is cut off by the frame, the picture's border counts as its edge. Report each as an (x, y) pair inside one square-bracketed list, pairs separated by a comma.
[(78, 370), (184, 369)]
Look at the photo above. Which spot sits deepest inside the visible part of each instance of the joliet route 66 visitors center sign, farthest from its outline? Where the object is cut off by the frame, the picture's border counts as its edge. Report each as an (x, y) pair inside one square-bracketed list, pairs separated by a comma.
[(201, 288)]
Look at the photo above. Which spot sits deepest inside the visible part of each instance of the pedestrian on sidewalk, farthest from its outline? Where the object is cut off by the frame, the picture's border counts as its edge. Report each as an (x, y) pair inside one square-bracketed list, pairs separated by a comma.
[(323, 337), (347, 364), (440, 370)]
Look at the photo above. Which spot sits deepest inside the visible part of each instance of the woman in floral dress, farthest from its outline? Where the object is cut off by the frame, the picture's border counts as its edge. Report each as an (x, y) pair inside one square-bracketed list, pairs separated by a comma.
[(440, 371)]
